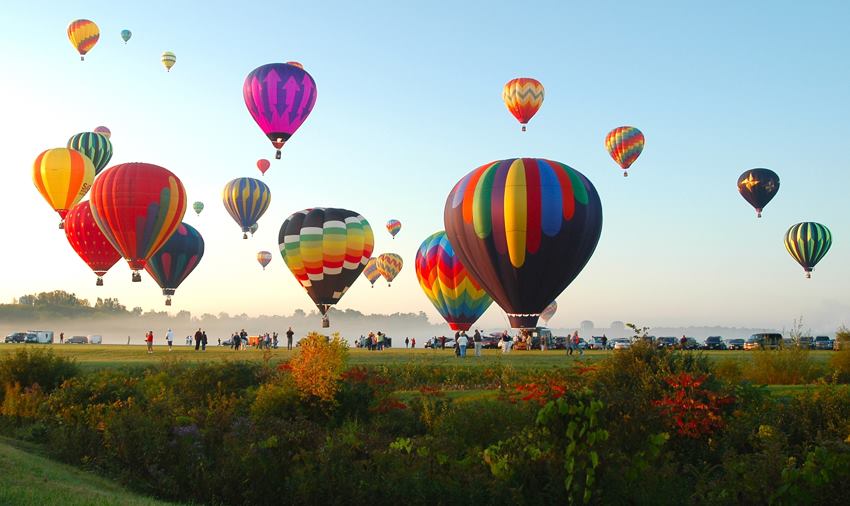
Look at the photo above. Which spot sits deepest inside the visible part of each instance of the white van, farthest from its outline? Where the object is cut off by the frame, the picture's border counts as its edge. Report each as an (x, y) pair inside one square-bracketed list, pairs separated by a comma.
[(95, 339), (43, 336)]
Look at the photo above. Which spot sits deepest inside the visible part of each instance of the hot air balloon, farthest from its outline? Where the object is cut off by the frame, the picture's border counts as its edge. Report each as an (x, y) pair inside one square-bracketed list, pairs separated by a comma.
[(102, 130), (83, 35), (295, 64), (63, 177), (125, 35), (389, 265), (393, 227), (264, 257), (326, 249), (176, 259), (758, 187), (198, 207), (168, 60), (549, 312), (524, 228), (279, 97), (523, 96), (624, 144), (88, 241), (246, 199), (808, 243), (446, 283), (263, 165), (95, 146), (371, 271), (138, 206), (254, 228)]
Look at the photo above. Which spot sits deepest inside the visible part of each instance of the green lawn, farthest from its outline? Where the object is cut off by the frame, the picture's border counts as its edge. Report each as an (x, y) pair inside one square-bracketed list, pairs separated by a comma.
[(104, 356), (29, 479)]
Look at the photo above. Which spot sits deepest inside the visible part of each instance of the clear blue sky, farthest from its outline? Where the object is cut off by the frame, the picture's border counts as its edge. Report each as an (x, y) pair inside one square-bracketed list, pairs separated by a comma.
[(409, 101)]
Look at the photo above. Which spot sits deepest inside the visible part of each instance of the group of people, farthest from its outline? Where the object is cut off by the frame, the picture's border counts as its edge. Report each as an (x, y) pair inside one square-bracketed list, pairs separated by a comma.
[(239, 340), (264, 341), (374, 341), (461, 343)]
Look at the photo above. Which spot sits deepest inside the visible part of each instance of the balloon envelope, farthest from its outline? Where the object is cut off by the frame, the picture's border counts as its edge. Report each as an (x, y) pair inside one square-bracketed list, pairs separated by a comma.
[(263, 165), (524, 228), (279, 97), (246, 199), (176, 259), (389, 265), (523, 97), (168, 60), (624, 144), (758, 187), (198, 207), (393, 227), (446, 283), (63, 176), (808, 243), (138, 206), (326, 249), (95, 146), (264, 257), (88, 241), (83, 35), (371, 271), (102, 130), (125, 35), (549, 312)]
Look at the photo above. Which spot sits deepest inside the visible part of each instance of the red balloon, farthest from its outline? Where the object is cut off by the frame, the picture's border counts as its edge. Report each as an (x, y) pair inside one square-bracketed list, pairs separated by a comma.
[(263, 165), (88, 241), (138, 206)]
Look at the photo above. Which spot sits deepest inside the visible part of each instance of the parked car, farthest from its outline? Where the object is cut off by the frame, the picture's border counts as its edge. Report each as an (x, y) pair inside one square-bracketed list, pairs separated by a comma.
[(666, 342), (768, 341), (17, 337), (622, 344), (597, 344), (77, 340), (95, 339), (806, 342), (490, 342), (735, 344), (824, 343), (42, 336), (559, 343), (714, 343)]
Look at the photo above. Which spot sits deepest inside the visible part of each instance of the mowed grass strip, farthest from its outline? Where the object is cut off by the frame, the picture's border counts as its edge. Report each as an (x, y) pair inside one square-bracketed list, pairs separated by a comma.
[(29, 479)]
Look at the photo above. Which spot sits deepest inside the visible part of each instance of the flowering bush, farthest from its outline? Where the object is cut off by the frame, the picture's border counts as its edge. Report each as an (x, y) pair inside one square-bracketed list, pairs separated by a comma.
[(692, 411), (318, 365)]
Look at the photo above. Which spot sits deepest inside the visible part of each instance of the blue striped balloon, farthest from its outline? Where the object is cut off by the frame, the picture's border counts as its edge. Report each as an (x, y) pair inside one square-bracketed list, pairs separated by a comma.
[(95, 146), (246, 199)]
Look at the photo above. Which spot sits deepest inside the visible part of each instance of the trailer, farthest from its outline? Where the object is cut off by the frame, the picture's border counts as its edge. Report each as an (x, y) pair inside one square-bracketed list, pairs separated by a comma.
[(42, 336)]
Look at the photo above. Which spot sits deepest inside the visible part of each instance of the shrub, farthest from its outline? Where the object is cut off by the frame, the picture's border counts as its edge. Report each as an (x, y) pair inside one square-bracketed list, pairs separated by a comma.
[(318, 365), (840, 364), (788, 366), (35, 367)]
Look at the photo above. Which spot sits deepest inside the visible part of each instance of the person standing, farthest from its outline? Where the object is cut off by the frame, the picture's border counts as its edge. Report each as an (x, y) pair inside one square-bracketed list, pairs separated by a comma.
[(169, 338), (575, 344), (476, 338), (442, 342), (289, 334), (243, 340), (462, 342), (413, 343), (204, 341), (684, 342), (604, 342), (274, 340), (61, 337), (149, 341), (406, 342), (198, 336)]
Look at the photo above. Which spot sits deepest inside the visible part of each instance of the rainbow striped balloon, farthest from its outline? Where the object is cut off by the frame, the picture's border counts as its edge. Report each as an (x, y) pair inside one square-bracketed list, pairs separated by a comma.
[(264, 258), (624, 144), (326, 249), (393, 227), (524, 228), (176, 259), (446, 283), (389, 265), (523, 97), (95, 146), (246, 199), (371, 271), (808, 243)]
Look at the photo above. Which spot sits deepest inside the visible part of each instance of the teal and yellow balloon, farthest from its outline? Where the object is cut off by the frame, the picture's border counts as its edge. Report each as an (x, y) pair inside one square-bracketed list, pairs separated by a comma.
[(246, 199), (97, 147), (808, 243), (125, 35)]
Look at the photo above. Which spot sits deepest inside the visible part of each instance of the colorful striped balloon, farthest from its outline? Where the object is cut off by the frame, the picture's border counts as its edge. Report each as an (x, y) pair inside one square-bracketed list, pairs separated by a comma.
[(624, 144), (83, 35), (389, 265), (168, 60), (371, 271), (524, 228), (138, 206), (102, 130), (264, 258), (95, 146), (523, 97), (549, 312), (89, 242), (326, 249), (63, 176), (447, 284), (393, 227), (246, 199), (176, 259), (808, 243), (279, 97)]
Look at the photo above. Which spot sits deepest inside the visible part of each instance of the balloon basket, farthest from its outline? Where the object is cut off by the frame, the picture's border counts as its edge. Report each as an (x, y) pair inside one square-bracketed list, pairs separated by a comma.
[(808, 275), (523, 128), (82, 58), (62, 225), (99, 281), (168, 301), (758, 213), (244, 236), (137, 278), (625, 173), (325, 323), (277, 155)]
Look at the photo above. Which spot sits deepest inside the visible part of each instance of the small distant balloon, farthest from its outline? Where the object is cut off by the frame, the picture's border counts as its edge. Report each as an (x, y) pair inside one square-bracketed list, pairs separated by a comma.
[(168, 60), (253, 229), (125, 35), (263, 165), (83, 35), (523, 97), (624, 144), (264, 257), (295, 64), (95, 146), (246, 199), (758, 187), (102, 130), (808, 243), (389, 265), (393, 227), (198, 207)]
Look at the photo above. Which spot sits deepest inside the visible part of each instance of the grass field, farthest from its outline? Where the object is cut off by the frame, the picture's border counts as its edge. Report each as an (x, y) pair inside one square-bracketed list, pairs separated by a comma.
[(105, 356), (29, 479)]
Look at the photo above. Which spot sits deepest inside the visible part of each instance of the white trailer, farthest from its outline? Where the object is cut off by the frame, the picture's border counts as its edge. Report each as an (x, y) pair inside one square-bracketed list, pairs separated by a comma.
[(43, 336)]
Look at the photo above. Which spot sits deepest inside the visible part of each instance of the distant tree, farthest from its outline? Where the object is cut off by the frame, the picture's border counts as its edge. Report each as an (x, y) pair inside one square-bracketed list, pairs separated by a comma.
[(137, 311), (639, 332), (110, 305), (587, 326), (183, 315), (223, 316), (618, 325), (299, 313)]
